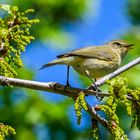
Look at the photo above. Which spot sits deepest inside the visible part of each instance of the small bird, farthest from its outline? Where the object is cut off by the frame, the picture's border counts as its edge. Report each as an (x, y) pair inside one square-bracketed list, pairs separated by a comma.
[(94, 61)]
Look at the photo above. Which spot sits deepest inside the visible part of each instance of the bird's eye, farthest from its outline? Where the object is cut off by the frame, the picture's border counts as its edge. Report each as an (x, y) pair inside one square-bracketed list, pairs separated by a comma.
[(117, 43)]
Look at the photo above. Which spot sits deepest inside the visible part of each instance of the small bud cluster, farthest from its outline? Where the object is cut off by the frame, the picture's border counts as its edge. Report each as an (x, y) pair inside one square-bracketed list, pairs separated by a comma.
[(133, 107), (94, 133), (6, 130), (14, 37), (116, 131), (121, 94), (80, 104)]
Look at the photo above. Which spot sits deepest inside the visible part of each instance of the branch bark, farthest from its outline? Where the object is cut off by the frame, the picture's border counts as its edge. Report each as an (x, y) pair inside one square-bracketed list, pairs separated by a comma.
[(47, 86), (59, 88), (70, 91)]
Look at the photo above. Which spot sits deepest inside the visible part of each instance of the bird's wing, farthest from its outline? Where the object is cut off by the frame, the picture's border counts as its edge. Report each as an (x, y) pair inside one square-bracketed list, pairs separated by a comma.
[(102, 53)]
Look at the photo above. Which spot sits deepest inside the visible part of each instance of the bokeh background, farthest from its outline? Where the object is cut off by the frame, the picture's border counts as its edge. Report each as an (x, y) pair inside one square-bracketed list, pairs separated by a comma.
[(67, 25)]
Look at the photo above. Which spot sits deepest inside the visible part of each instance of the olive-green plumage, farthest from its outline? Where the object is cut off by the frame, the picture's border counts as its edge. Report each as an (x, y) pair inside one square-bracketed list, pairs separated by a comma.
[(97, 60)]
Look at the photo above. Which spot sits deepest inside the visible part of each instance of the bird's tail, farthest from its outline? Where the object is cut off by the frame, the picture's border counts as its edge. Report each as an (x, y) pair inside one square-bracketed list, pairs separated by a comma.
[(52, 63)]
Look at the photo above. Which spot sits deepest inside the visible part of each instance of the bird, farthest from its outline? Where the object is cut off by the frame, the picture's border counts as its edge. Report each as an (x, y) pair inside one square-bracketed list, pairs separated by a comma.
[(93, 61)]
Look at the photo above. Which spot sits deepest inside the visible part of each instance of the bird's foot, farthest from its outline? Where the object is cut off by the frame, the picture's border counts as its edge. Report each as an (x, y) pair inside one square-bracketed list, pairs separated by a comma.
[(67, 86), (95, 88)]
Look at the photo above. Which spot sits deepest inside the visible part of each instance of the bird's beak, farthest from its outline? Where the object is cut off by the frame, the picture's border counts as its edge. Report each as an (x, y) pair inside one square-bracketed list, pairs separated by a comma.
[(129, 46)]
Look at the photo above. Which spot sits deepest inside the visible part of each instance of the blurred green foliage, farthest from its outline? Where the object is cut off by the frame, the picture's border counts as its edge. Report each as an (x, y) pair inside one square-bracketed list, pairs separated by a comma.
[(134, 11), (14, 37), (54, 15), (26, 110), (133, 36), (31, 114)]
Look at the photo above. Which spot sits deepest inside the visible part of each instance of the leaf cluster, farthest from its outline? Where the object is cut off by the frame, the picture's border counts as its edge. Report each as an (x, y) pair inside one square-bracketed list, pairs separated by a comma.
[(14, 37), (119, 94), (6, 130), (80, 104)]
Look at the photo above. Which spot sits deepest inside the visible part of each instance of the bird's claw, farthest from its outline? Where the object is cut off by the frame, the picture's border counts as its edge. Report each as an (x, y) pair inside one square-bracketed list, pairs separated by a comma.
[(97, 90), (67, 86)]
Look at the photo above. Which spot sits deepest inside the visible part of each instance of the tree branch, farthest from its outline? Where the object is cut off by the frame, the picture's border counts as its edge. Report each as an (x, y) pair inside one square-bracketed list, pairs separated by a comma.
[(47, 86), (59, 88), (70, 91)]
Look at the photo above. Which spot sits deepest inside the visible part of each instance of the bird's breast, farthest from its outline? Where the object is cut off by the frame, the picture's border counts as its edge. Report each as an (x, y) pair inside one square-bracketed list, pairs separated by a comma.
[(96, 67)]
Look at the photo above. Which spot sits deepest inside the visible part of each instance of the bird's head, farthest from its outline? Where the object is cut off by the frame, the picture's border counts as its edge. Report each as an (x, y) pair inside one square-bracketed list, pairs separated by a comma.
[(120, 46)]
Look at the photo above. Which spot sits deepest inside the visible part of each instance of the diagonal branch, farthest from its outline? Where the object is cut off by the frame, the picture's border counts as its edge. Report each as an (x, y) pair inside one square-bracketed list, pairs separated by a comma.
[(71, 91), (59, 88)]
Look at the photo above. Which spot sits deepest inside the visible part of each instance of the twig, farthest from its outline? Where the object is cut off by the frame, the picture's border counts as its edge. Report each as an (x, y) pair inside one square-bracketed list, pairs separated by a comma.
[(94, 115)]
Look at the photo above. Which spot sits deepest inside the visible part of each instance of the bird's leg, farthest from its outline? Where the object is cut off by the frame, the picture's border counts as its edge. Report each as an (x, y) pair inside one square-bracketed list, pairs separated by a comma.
[(67, 82), (88, 75), (95, 87), (68, 70)]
